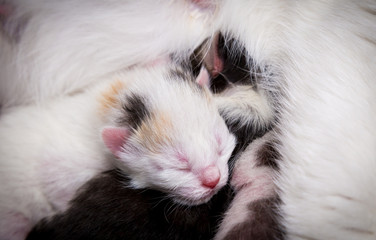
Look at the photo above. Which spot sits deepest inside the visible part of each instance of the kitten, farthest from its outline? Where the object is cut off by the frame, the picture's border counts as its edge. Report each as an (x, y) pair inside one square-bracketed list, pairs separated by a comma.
[(163, 128), (123, 210), (105, 208), (321, 56)]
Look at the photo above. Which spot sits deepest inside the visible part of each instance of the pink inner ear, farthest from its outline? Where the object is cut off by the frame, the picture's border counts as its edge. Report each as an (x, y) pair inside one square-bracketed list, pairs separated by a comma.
[(203, 77), (114, 138)]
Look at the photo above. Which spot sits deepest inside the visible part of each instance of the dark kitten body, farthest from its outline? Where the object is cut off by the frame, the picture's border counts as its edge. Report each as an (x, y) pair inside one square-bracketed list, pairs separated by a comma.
[(105, 208)]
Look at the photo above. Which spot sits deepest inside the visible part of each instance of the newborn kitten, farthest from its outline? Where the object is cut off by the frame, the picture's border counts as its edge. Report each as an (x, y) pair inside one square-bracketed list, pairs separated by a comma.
[(105, 208), (124, 215), (163, 128)]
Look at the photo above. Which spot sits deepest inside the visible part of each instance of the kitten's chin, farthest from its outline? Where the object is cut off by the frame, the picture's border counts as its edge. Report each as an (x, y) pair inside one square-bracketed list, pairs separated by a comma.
[(193, 201)]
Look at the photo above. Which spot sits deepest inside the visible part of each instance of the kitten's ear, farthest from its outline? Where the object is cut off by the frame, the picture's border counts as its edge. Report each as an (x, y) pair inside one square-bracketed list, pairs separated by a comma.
[(114, 138), (203, 78), (212, 60)]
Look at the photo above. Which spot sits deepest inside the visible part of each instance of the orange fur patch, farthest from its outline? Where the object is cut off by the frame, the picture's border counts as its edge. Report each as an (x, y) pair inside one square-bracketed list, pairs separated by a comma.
[(109, 98), (154, 132)]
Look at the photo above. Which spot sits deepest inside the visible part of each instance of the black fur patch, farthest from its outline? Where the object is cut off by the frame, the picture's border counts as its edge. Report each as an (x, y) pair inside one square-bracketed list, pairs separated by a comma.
[(136, 111), (105, 208), (236, 67), (244, 134), (268, 155), (262, 222)]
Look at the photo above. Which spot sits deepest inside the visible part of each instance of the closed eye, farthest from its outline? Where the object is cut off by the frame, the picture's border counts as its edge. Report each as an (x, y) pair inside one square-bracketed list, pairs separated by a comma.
[(182, 158), (184, 163), (219, 144)]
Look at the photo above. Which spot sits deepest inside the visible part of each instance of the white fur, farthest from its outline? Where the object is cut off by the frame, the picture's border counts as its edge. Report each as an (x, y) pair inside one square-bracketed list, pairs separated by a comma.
[(64, 46), (244, 104), (48, 151), (322, 54)]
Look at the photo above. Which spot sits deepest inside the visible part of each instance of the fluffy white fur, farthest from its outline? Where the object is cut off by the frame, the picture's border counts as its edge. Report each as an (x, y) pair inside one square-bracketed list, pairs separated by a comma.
[(60, 47), (48, 151), (245, 105), (322, 54)]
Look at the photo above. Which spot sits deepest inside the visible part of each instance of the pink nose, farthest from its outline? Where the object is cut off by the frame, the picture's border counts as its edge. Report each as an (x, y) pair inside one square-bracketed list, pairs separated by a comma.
[(210, 176)]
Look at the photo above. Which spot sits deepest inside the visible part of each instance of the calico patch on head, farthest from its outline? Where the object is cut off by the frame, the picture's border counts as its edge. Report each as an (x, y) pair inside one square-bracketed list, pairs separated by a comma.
[(136, 109)]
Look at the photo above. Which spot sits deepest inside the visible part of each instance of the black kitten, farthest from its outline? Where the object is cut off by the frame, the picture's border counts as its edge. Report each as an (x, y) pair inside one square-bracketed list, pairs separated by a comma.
[(105, 208)]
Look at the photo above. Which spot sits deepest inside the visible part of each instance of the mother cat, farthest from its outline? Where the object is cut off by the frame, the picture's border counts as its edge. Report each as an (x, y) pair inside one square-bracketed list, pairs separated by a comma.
[(49, 48), (320, 56)]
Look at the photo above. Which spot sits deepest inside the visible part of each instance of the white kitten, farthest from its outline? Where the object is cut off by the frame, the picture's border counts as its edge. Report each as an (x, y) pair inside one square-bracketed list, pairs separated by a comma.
[(163, 128)]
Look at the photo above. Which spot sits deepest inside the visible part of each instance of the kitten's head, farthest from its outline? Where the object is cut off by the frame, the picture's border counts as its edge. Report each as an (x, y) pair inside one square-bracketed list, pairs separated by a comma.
[(170, 136)]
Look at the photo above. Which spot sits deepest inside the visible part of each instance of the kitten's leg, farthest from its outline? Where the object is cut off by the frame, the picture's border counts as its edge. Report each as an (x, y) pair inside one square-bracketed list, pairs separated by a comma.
[(241, 103), (251, 214)]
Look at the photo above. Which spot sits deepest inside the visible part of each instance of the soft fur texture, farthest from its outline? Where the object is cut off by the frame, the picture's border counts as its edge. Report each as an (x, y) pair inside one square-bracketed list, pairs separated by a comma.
[(50, 150), (117, 219), (322, 57), (319, 60), (52, 47), (106, 208)]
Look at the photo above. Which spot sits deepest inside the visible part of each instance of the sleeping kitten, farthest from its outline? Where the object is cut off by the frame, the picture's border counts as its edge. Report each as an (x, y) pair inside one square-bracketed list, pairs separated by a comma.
[(169, 137), (51, 48), (133, 214), (321, 56), (105, 208)]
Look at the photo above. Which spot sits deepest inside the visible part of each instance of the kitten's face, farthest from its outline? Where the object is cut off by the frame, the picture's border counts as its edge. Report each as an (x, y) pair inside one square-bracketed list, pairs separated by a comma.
[(190, 165), (178, 144), (172, 137)]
